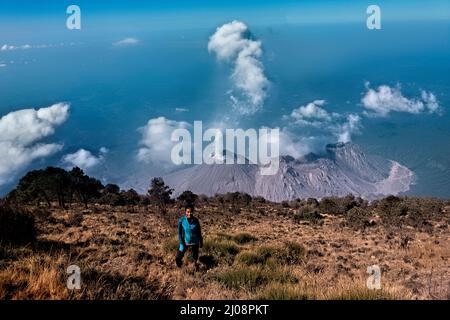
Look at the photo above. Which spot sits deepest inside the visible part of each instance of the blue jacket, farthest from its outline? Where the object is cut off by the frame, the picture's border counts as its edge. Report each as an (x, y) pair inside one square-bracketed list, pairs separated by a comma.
[(189, 232)]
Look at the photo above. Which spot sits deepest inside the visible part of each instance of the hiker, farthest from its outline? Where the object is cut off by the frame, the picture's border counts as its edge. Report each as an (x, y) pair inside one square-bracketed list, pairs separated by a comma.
[(189, 235)]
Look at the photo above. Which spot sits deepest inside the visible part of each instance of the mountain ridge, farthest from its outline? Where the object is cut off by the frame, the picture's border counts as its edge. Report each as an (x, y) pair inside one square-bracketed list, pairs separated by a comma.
[(343, 169)]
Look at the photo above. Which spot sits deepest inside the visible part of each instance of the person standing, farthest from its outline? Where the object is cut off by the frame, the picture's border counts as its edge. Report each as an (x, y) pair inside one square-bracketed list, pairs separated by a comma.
[(189, 236)]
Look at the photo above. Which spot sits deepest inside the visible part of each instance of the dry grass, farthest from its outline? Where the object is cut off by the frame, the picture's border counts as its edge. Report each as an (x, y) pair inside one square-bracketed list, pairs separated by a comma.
[(264, 252), (36, 277)]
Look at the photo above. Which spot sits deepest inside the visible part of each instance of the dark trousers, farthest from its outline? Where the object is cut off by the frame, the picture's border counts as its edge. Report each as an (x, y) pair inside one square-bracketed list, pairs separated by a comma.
[(180, 254)]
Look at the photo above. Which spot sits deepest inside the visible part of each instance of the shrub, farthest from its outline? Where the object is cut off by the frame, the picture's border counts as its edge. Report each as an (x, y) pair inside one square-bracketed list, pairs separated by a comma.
[(292, 253), (283, 291), (330, 205), (219, 198), (416, 212), (346, 203), (16, 226), (267, 256), (111, 188), (203, 198), (130, 197), (358, 218), (145, 200), (111, 199), (294, 204), (308, 214), (224, 236), (251, 258), (267, 251), (361, 203), (237, 200), (187, 198), (243, 238), (240, 238), (223, 249), (259, 199), (388, 205), (208, 261), (289, 254), (312, 202), (159, 194), (251, 277)]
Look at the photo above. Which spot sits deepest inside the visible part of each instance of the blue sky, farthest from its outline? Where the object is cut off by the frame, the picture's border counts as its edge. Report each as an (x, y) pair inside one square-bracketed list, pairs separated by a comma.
[(137, 61), (318, 11)]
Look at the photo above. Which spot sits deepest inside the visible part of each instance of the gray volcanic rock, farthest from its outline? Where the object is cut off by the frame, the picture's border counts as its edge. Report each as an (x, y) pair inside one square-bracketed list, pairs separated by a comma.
[(343, 169)]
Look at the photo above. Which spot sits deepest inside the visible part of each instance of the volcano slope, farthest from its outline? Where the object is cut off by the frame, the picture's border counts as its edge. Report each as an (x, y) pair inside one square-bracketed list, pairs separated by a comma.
[(342, 169)]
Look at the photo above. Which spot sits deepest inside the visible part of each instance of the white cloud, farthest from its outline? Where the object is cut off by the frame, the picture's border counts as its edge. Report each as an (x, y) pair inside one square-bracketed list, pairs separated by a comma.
[(126, 42), (296, 145), (430, 101), (293, 145), (348, 128), (84, 159), (181, 110), (156, 143), (20, 133), (9, 47), (231, 42), (385, 99), (310, 114), (327, 125)]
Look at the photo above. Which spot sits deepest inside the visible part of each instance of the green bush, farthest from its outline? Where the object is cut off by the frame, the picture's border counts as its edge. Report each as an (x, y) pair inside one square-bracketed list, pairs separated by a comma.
[(251, 277), (285, 204), (240, 238), (312, 202), (283, 291), (222, 249), (339, 206), (358, 218), (412, 211), (251, 258), (329, 205), (187, 198), (292, 253), (243, 238), (308, 214), (289, 254)]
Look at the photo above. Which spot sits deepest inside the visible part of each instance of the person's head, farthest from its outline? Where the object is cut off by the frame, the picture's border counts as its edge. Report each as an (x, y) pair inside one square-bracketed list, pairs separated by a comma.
[(189, 211)]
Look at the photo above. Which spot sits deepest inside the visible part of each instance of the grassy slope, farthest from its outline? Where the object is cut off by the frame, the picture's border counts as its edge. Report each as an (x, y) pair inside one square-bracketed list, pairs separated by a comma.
[(262, 252)]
